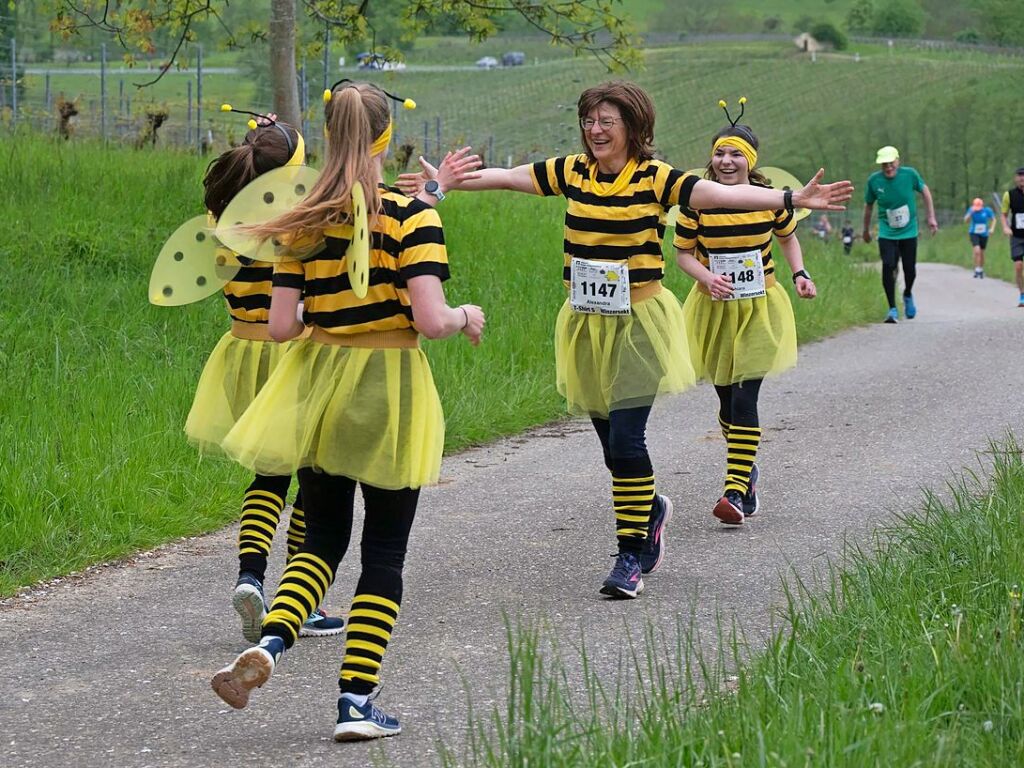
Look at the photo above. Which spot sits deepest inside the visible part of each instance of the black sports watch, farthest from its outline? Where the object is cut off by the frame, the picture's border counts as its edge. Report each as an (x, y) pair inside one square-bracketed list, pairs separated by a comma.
[(431, 187), (801, 273)]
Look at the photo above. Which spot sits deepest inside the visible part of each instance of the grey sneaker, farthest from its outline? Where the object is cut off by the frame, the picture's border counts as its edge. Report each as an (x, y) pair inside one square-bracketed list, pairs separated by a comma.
[(251, 605)]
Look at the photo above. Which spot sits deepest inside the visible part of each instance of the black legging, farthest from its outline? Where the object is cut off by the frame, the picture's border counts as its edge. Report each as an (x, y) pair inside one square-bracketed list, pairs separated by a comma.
[(892, 253), (738, 402)]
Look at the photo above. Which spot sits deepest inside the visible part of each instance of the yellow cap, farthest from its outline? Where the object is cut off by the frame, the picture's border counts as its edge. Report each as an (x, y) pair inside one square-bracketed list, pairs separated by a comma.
[(887, 155)]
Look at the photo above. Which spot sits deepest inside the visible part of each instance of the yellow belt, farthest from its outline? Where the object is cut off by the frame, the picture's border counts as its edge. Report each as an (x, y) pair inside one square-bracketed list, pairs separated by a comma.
[(405, 338), (250, 331), (769, 281)]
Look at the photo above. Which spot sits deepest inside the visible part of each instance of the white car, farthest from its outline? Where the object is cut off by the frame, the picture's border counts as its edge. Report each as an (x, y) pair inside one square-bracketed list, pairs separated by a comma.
[(487, 62)]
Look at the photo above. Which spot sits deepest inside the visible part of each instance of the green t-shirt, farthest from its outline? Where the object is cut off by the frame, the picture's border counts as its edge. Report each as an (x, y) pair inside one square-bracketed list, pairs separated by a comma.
[(897, 208)]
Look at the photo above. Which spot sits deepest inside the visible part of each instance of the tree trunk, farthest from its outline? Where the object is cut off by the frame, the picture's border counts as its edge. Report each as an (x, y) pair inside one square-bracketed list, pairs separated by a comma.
[(282, 61)]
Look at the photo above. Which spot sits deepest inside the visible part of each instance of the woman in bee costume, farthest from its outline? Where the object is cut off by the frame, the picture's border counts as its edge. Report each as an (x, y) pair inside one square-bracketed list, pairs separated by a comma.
[(738, 318), (355, 404), (619, 337)]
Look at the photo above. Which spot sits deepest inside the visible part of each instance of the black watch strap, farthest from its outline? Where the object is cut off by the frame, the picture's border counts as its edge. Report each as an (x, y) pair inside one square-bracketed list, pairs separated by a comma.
[(801, 273)]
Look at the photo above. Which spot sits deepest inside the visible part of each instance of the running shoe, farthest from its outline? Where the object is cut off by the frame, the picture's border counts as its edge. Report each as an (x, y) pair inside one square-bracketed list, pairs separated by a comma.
[(624, 580), (893, 316), (978, 273), (251, 669), (981, 274), (359, 722), (251, 605), (729, 508), (653, 552), (319, 624), (750, 501), (1020, 303), (909, 308)]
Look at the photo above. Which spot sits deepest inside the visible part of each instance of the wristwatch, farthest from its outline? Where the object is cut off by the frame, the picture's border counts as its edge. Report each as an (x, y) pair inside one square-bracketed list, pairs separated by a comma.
[(801, 273), (431, 187)]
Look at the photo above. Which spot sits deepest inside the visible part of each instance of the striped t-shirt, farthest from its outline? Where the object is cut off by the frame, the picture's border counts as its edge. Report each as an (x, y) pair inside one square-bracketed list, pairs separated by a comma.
[(625, 227), (406, 242)]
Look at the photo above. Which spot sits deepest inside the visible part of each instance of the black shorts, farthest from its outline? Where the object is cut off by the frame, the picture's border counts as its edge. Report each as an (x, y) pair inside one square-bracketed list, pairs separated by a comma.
[(979, 240), (893, 251), (1017, 248)]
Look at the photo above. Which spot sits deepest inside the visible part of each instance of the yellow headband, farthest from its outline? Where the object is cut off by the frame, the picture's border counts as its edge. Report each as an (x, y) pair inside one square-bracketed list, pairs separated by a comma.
[(744, 146), (299, 155), (382, 142)]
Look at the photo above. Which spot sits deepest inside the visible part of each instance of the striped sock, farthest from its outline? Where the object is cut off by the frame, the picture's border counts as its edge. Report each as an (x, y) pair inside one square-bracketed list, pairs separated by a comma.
[(741, 450), (370, 623), (303, 586), (724, 425), (261, 512), (296, 529), (632, 498)]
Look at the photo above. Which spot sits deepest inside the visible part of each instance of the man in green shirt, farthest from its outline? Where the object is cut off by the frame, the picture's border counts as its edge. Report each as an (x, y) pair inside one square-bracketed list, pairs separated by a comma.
[(893, 188)]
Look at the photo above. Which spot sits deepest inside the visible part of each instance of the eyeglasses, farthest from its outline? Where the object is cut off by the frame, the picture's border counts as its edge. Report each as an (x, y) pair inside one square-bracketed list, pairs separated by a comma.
[(606, 123)]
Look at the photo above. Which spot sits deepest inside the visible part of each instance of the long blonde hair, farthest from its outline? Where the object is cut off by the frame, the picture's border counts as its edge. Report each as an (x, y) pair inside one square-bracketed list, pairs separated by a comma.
[(356, 115)]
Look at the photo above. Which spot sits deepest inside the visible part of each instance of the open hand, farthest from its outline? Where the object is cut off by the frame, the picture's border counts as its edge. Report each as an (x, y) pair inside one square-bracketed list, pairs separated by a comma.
[(823, 197), (456, 167)]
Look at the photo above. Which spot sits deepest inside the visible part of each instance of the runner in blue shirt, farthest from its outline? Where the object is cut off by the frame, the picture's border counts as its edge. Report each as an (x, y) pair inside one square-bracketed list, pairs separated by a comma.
[(979, 218)]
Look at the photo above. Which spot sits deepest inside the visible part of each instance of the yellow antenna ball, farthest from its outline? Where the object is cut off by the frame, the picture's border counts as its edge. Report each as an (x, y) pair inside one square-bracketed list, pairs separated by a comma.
[(252, 124), (743, 99), (721, 103), (409, 104), (327, 95), (225, 107)]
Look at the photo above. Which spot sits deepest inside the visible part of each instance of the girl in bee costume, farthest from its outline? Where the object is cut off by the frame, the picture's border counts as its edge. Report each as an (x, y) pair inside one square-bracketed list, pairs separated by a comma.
[(738, 318), (238, 367), (355, 403)]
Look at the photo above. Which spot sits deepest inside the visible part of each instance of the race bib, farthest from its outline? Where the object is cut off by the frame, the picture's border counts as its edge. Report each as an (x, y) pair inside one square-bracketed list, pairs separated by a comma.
[(599, 287), (980, 229), (847, 239), (1018, 221), (744, 269), (898, 218)]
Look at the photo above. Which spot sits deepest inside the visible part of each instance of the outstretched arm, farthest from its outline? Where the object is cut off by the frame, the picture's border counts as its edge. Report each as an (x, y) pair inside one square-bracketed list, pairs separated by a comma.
[(815, 195), (518, 179)]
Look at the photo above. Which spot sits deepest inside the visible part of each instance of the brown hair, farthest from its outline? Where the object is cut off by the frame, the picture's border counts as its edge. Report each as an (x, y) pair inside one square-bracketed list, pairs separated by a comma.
[(356, 115), (637, 112), (263, 149), (744, 132)]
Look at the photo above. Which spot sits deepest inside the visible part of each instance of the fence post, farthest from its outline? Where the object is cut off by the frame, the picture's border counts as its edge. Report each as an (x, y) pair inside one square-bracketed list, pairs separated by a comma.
[(103, 91), (327, 55), (188, 121), (14, 83), (490, 151), (304, 98), (437, 129), (49, 97), (120, 96), (199, 98), (426, 133)]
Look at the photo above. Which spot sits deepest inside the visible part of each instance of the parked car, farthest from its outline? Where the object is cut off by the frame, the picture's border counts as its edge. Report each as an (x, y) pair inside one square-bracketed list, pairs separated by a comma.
[(487, 62), (378, 62), (513, 59)]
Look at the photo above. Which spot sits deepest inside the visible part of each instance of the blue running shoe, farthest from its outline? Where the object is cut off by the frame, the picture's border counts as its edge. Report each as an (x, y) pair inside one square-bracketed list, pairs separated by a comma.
[(1020, 303), (624, 580), (251, 669), (359, 722), (750, 501), (893, 316), (654, 545), (251, 605), (909, 308), (319, 624)]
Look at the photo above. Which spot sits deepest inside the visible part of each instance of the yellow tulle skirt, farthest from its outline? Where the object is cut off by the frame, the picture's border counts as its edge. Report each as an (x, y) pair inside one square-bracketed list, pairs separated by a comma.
[(609, 362), (733, 341), (233, 375), (370, 414)]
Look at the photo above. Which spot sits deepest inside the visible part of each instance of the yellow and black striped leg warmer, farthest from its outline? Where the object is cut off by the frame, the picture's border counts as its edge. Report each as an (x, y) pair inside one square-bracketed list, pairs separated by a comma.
[(303, 586), (370, 623), (741, 451), (632, 498), (261, 512), (296, 527), (724, 426)]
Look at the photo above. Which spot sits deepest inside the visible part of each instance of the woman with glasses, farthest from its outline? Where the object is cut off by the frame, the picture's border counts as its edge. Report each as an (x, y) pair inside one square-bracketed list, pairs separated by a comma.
[(620, 339)]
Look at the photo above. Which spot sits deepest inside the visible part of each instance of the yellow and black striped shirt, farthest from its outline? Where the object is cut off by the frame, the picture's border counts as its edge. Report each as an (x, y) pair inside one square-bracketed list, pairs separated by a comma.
[(407, 242), (626, 227), (724, 230), (248, 293)]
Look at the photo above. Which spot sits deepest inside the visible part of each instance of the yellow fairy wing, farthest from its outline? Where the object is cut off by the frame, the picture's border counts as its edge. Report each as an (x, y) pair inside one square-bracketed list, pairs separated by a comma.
[(191, 266), (780, 179), (264, 198), (357, 255)]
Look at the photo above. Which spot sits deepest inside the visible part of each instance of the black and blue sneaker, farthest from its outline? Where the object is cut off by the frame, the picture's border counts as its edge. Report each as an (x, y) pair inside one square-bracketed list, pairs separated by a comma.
[(624, 580), (250, 669), (319, 624), (251, 605), (653, 552), (750, 501), (909, 307), (359, 722), (729, 508)]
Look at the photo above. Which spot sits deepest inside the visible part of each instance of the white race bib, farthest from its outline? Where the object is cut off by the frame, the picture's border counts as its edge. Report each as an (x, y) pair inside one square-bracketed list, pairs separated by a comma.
[(847, 239), (746, 271), (898, 218), (980, 229), (599, 287), (1018, 221)]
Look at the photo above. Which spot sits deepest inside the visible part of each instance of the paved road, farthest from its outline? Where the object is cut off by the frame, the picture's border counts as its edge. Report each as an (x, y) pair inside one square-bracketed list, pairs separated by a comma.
[(112, 669)]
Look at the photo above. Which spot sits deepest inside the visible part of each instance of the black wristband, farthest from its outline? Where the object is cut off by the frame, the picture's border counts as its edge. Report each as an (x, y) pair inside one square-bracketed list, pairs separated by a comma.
[(787, 200), (801, 273), (465, 314)]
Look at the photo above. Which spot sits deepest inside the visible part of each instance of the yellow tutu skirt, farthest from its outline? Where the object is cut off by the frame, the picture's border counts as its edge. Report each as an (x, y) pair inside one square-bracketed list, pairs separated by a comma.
[(733, 341), (233, 375), (609, 362), (370, 414)]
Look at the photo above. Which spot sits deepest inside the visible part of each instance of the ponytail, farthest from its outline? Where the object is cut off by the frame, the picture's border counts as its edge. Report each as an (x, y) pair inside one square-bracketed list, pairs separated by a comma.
[(263, 149)]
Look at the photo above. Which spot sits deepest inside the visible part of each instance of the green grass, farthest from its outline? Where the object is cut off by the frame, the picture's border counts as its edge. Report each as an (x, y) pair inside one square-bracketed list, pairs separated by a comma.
[(909, 655)]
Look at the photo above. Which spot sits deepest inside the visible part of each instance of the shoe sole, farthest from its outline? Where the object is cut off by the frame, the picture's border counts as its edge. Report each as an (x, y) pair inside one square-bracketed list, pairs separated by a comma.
[(250, 670), (890, 321), (248, 604), (305, 631), (618, 592), (363, 732), (727, 513), (664, 547)]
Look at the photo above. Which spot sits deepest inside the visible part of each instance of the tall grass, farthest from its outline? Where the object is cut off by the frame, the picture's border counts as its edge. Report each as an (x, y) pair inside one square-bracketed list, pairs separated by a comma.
[(909, 656)]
